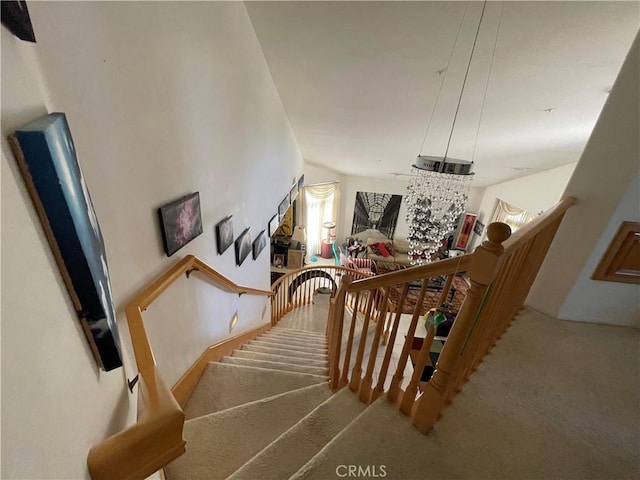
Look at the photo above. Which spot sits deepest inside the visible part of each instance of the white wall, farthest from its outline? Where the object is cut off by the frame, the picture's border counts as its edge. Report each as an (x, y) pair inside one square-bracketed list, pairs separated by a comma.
[(606, 302), (317, 174), (393, 185), (604, 175), (534, 193), (163, 99)]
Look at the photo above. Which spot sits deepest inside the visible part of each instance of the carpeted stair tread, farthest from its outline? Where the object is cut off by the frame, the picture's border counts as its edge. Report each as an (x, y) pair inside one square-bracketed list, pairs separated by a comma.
[(391, 440), (301, 335), (224, 386), (289, 339), (280, 358), (287, 367), (219, 443), (308, 333), (284, 352), (295, 447), (288, 346)]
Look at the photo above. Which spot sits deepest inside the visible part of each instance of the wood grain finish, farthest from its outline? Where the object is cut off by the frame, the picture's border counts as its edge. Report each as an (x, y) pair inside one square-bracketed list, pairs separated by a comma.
[(156, 438), (621, 261), (501, 272)]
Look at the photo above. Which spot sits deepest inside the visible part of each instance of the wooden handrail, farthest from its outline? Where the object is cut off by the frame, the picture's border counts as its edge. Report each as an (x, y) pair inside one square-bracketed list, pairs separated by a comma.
[(142, 449), (441, 267), (153, 291), (156, 438), (542, 222), (499, 272)]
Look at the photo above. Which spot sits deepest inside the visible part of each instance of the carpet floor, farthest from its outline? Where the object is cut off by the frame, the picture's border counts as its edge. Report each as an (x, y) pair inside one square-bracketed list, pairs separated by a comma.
[(534, 409)]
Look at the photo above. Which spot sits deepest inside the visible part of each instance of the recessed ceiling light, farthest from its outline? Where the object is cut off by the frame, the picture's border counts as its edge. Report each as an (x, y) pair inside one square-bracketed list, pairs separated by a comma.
[(549, 110)]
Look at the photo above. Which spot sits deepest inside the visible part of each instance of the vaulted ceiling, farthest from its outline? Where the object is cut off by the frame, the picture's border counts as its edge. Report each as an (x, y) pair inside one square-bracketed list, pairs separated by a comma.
[(363, 82)]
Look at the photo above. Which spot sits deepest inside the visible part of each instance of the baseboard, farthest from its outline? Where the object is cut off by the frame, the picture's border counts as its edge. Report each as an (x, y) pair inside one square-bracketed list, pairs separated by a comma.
[(183, 388)]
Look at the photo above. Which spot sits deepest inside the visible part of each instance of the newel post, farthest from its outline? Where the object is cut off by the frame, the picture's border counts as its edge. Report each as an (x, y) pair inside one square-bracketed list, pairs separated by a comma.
[(484, 266)]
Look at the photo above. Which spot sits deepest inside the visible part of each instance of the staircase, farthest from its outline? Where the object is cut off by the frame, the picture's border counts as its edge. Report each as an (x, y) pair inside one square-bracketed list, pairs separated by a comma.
[(265, 411), (256, 416)]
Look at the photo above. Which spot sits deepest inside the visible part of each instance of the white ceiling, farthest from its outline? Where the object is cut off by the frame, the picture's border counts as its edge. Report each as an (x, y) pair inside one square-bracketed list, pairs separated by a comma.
[(359, 80)]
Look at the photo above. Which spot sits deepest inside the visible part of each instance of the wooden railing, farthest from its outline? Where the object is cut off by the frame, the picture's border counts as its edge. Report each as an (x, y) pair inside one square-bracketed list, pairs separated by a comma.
[(296, 289), (500, 273), (156, 438)]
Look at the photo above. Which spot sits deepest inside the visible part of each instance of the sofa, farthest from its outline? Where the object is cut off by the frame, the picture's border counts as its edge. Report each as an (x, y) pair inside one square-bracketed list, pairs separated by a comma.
[(395, 252)]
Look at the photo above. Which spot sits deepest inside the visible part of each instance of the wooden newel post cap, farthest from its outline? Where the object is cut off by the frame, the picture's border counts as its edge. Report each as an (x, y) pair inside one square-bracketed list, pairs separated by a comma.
[(498, 232)]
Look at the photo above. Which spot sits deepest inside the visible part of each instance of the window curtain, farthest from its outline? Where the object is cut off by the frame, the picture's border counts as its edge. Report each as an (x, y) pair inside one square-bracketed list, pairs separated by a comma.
[(319, 205), (513, 216)]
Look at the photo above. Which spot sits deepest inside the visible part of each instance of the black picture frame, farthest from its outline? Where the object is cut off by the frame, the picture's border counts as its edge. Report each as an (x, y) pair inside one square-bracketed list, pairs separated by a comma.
[(300, 183), (274, 223), (15, 16), (46, 156), (243, 246), (283, 207), (224, 234), (293, 193), (181, 222), (478, 228), (259, 243)]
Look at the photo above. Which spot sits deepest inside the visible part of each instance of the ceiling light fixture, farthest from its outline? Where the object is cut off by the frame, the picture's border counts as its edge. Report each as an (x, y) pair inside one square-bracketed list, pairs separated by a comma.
[(439, 186)]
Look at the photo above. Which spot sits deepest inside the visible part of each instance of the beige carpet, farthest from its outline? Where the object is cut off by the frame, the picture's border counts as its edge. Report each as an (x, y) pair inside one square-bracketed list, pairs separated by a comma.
[(554, 400), (221, 442), (294, 448)]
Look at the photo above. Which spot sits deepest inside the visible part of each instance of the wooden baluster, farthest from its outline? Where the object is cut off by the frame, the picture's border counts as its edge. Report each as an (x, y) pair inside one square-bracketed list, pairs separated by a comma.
[(338, 316), (482, 271), (349, 349), (396, 381), (356, 373), (365, 387), (390, 345), (444, 295), (410, 392)]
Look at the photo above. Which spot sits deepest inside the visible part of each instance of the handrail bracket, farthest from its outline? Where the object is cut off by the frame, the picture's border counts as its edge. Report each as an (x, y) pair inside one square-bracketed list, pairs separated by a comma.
[(191, 270)]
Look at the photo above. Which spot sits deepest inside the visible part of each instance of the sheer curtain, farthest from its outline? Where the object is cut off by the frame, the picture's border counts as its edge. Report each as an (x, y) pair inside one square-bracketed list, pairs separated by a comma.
[(319, 205), (513, 216)]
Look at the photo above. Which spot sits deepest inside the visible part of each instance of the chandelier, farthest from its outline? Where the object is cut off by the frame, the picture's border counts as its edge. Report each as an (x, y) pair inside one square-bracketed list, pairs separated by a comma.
[(436, 196), (439, 186)]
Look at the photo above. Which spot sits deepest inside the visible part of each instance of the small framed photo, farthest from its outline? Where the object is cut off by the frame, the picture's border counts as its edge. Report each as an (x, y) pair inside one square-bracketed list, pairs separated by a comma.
[(278, 260), (224, 234), (258, 244), (243, 246), (274, 223), (181, 222), (478, 228), (293, 193), (283, 207)]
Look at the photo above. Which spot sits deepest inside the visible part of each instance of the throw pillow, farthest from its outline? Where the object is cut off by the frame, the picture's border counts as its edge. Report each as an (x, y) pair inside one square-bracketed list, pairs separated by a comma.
[(391, 249), (383, 250)]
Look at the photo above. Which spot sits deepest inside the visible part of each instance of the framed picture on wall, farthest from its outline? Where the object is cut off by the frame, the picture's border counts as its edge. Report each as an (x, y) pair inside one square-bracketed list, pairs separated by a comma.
[(181, 222), (462, 241), (478, 228), (243, 246), (46, 156), (283, 207), (273, 224), (258, 244), (224, 234)]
